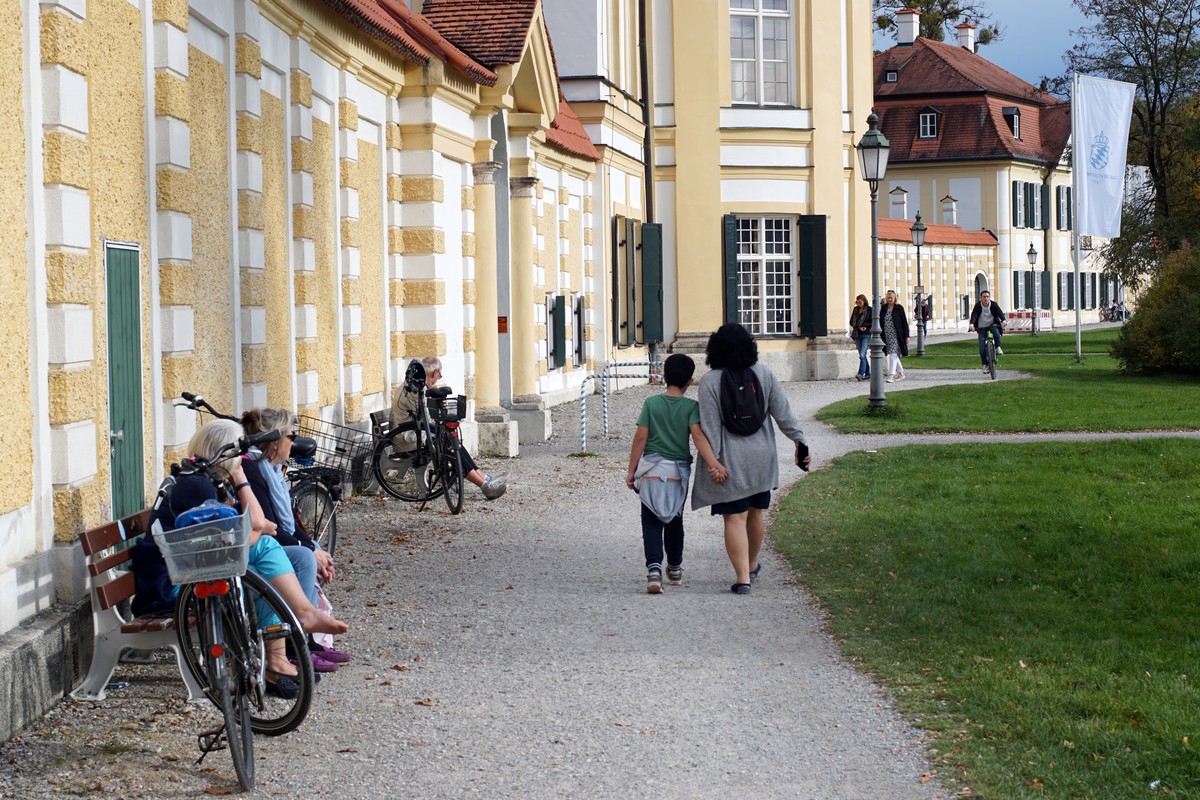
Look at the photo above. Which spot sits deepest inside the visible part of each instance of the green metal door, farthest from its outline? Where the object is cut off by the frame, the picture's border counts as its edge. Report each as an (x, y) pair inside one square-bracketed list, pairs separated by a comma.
[(123, 275)]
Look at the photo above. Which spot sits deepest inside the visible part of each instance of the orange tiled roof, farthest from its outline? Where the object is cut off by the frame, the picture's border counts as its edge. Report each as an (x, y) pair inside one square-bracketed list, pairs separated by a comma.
[(368, 17), (492, 31), (971, 94), (567, 133), (900, 230), (425, 34)]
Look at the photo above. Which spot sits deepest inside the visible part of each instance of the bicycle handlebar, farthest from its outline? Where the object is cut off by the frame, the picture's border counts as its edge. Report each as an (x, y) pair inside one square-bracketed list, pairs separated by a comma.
[(197, 403)]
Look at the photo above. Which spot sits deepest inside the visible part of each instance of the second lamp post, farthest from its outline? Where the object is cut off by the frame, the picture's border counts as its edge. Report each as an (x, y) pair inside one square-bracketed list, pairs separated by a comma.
[(918, 239)]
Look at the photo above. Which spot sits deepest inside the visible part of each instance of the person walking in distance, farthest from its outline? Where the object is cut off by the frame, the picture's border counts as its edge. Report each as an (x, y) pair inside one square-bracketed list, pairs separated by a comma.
[(894, 323), (860, 332), (660, 468)]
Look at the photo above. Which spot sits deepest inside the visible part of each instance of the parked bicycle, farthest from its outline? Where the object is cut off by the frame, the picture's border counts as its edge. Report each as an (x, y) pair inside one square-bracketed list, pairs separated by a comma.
[(1112, 314), (227, 618), (420, 460), (316, 472)]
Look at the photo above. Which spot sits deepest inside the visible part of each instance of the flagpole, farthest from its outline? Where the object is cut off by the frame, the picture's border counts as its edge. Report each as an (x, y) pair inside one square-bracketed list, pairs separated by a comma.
[(1076, 150)]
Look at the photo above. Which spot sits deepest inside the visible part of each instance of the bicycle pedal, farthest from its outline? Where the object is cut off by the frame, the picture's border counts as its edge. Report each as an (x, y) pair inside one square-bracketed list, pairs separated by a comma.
[(210, 741), (280, 631)]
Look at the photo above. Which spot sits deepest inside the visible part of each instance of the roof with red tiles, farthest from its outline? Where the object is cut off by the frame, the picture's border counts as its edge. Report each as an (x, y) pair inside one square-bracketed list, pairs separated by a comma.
[(368, 17), (900, 230), (567, 133), (492, 31), (428, 37), (970, 94)]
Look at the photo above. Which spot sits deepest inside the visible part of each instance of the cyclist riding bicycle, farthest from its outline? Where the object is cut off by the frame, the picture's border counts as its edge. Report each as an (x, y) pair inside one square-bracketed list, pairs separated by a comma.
[(985, 316)]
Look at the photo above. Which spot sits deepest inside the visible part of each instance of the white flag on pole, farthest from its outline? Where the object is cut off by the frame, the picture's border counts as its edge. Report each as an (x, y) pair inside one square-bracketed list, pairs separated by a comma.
[(1100, 114)]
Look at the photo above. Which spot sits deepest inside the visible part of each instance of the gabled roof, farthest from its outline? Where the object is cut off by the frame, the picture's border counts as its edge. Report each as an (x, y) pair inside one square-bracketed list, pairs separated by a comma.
[(394, 24), (567, 133), (900, 230), (492, 31), (971, 93)]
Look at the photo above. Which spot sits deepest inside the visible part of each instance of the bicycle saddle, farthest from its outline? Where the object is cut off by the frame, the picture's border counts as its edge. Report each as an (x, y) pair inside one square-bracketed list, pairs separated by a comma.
[(438, 392), (304, 447)]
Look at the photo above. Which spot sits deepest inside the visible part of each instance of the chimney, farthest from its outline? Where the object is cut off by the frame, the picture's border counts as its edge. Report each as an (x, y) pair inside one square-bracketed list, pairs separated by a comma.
[(908, 26), (966, 36)]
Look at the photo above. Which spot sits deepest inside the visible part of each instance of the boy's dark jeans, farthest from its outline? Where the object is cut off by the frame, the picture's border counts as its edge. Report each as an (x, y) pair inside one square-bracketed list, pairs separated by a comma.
[(655, 532)]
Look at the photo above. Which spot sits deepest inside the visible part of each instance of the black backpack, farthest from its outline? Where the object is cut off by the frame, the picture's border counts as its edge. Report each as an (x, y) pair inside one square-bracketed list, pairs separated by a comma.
[(743, 407)]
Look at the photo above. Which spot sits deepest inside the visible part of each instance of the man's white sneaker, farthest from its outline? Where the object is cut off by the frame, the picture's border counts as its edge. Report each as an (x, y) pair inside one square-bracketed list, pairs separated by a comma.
[(494, 488), (999, 351)]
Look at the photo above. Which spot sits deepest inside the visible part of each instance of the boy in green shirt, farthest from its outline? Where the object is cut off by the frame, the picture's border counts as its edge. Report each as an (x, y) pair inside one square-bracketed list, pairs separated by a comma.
[(660, 468)]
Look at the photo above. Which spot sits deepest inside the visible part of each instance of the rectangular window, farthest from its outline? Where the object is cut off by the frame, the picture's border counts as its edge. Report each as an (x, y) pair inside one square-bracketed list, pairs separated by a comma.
[(928, 125), (765, 265), (760, 51)]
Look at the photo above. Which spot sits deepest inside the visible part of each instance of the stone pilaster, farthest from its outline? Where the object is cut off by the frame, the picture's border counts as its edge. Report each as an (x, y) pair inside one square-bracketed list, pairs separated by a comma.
[(417, 244), (351, 304), (304, 259), (251, 240)]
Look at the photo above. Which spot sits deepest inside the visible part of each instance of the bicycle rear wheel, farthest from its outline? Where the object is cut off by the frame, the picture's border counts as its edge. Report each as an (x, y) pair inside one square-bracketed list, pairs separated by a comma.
[(316, 509), (268, 619), (452, 473), (225, 672), (409, 475)]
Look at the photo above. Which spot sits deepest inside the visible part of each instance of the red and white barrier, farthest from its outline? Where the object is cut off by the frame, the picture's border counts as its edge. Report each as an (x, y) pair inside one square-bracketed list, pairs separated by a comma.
[(1022, 321)]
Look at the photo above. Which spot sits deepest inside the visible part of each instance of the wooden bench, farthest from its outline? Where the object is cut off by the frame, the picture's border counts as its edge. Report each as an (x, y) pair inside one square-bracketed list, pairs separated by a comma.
[(107, 551)]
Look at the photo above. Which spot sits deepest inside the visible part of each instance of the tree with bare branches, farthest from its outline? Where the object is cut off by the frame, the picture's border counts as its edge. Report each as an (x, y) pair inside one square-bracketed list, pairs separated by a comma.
[(938, 18)]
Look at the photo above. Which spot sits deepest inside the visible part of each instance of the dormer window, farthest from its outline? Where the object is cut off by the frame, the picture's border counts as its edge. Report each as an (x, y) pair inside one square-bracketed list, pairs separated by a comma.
[(1012, 116), (927, 124), (891, 76)]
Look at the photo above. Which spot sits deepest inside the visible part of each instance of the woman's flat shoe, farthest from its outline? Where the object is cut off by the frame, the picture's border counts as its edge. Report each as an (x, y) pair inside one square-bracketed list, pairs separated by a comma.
[(283, 686), (329, 654), (754, 572), (740, 588)]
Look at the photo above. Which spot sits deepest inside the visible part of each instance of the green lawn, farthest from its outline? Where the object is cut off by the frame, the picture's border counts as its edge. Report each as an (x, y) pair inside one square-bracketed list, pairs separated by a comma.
[(1062, 395), (1035, 606)]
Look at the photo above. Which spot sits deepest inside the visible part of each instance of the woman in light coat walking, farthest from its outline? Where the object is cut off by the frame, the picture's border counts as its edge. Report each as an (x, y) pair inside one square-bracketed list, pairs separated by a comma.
[(751, 461)]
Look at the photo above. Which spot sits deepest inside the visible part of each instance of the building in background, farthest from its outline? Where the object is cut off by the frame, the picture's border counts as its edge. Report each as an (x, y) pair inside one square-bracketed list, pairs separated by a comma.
[(977, 147)]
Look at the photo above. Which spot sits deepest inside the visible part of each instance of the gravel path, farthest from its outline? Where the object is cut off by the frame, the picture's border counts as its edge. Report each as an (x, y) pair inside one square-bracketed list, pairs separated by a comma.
[(512, 652)]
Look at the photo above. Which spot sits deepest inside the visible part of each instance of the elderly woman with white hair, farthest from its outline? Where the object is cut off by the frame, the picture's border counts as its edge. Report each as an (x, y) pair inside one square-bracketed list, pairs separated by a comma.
[(405, 409)]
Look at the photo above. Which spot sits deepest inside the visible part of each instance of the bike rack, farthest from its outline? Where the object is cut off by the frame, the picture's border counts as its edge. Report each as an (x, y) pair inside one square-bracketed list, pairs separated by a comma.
[(604, 375)]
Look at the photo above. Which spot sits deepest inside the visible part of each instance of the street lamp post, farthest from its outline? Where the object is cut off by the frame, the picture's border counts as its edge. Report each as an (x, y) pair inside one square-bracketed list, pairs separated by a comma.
[(918, 238), (873, 150), (1031, 255)]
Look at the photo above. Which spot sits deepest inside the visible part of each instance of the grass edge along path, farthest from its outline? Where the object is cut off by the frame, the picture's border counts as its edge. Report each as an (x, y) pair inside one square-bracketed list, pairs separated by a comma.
[(1062, 395), (1033, 606)]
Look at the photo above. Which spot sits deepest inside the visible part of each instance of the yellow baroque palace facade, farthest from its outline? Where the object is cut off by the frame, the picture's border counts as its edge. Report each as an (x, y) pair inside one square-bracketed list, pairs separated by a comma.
[(282, 202)]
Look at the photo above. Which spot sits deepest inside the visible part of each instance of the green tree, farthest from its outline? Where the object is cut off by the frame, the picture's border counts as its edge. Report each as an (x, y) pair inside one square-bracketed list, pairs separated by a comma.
[(938, 18), (1157, 338)]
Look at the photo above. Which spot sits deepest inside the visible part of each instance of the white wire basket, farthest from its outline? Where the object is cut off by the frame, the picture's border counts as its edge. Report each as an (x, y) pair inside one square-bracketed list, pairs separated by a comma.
[(206, 551)]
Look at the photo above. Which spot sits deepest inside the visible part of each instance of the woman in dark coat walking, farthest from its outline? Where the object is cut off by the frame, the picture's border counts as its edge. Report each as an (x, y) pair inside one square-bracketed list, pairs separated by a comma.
[(895, 336)]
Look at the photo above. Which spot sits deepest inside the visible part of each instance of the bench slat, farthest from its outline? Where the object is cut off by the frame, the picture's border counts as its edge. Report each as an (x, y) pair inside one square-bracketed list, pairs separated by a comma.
[(136, 524), (109, 562), (101, 538), (145, 624), (117, 590)]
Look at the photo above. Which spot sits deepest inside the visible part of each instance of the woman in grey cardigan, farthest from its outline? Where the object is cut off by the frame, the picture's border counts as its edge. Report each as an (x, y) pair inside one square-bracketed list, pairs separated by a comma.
[(751, 460)]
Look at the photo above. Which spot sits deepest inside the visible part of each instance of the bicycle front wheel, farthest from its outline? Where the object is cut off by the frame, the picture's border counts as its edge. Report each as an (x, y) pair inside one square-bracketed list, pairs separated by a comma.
[(316, 509), (452, 473), (991, 349), (269, 624), (239, 736), (226, 675), (409, 475)]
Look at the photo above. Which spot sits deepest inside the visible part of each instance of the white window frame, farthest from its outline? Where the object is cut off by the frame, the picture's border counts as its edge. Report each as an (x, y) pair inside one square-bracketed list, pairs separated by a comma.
[(762, 311), (927, 125), (758, 14)]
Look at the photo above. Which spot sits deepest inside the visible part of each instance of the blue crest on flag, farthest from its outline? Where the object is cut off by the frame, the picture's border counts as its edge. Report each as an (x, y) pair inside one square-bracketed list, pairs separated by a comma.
[(1100, 151)]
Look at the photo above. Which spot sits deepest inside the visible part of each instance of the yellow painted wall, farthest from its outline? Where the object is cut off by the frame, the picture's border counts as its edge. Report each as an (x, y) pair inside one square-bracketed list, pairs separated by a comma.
[(117, 142), (16, 424), (324, 280), (371, 258), (212, 367), (276, 243)]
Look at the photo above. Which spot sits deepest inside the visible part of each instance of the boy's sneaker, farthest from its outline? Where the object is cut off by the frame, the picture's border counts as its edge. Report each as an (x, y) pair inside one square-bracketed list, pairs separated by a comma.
[(494, 488), (675, 575), (654, 582)]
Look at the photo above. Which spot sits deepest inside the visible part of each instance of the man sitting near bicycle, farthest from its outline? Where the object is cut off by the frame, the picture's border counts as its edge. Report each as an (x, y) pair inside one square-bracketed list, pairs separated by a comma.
[(405, 408), (985, 316)]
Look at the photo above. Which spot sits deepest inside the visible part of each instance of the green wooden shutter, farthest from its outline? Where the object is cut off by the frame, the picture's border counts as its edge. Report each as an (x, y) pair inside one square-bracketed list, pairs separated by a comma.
[(1045, 211), (620, 326), (730, 266), (1070, 210), (1018, 201), (632, 317), (1070, 291), (559, 322), (813, 288), (1046, 290), (123, 277), (652, 282)]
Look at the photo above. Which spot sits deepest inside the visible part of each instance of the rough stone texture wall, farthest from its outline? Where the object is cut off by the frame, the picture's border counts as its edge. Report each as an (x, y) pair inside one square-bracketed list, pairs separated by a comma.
[(16, 424), (276, 239), (324, 288), (211, 296), (117, 142), (370, 245)]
